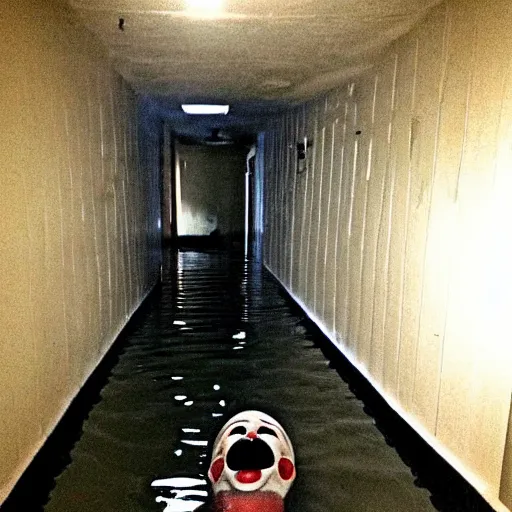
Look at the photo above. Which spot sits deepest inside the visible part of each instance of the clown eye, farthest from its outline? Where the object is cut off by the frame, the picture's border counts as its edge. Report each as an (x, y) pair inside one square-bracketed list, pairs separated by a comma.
[(238, 430), (266, 430)]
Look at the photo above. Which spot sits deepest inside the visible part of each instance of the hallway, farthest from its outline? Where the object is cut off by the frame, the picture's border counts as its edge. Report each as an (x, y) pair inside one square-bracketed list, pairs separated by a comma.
[(365, 146), (220, 338)]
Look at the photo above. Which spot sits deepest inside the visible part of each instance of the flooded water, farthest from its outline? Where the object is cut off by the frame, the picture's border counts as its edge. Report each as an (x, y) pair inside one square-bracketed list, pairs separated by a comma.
[(221, 338)]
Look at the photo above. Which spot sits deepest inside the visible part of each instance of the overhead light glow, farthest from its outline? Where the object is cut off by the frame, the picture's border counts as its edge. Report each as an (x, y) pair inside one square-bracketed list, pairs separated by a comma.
[(205, 8), (205, 109)]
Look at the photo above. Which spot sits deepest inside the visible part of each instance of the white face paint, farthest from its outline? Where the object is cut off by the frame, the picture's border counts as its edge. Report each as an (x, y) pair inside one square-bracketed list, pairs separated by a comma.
[(251, 453)]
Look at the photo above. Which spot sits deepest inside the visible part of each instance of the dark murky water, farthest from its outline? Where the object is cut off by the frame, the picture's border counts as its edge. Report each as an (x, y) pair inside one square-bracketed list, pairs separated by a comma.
[(220, 339)]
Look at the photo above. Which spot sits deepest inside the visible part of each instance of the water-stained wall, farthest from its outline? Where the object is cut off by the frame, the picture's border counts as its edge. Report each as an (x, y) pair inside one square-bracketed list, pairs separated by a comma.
[(79, 218), (211, 190), (394, 232)]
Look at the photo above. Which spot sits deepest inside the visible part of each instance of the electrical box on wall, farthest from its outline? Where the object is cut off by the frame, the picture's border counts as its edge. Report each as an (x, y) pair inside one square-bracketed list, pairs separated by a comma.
[(302, 148), (302, 155)]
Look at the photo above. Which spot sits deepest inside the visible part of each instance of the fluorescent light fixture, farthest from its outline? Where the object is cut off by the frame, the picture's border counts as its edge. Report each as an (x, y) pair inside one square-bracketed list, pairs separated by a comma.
[(205, 109)]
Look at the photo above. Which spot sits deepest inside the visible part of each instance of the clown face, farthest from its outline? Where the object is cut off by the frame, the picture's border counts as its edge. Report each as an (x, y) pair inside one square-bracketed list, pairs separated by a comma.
[(252, 453)]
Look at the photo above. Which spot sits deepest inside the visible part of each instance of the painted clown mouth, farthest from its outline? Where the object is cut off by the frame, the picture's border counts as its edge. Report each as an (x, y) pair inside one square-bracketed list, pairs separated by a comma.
[(248, 457)]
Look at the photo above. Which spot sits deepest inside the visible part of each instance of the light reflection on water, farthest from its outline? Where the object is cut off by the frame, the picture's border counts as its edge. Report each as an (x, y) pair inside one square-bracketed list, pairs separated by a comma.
[(178, 482), (183, 498), (194, 443), (179, 505)]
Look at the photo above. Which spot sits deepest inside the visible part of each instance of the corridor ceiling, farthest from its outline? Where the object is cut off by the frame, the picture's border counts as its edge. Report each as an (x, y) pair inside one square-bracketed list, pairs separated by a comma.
[(259, 55)]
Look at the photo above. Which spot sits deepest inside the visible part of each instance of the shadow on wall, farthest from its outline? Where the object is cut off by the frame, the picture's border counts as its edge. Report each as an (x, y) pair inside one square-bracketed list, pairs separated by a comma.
[(210, 196)]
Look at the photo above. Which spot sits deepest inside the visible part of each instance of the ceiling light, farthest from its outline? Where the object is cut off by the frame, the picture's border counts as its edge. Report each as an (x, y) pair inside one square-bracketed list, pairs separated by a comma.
[(205, 109), (207, 8)]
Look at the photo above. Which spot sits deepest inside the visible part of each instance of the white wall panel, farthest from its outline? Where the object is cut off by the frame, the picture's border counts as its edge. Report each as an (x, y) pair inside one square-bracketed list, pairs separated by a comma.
[(401, 247), (79, 205)]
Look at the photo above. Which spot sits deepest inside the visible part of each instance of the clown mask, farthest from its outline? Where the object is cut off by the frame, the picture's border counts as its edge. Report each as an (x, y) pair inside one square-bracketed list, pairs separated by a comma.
[(252, 453)]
